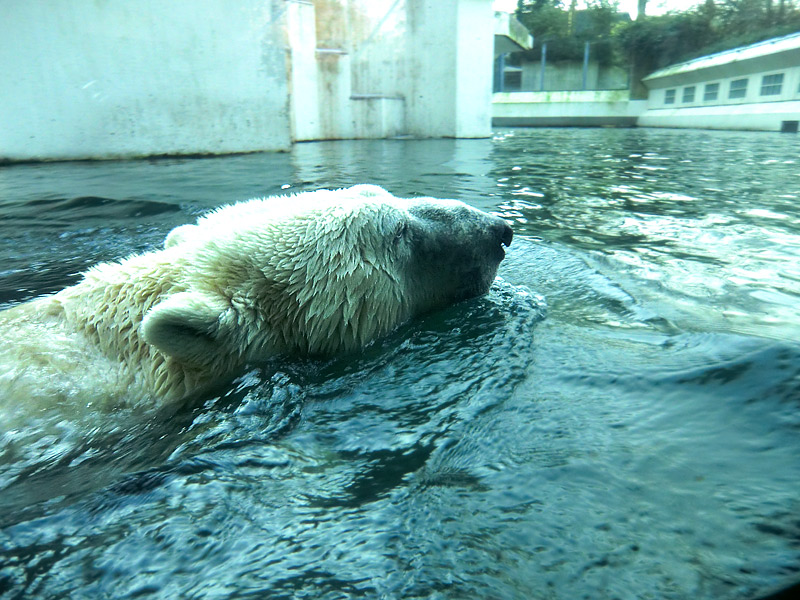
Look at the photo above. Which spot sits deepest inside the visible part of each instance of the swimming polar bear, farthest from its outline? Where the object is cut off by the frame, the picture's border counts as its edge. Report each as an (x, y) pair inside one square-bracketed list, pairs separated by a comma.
[(317, 273)]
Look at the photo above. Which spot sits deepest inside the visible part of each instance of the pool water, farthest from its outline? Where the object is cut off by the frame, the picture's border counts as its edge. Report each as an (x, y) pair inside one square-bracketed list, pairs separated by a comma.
[(618, 418)]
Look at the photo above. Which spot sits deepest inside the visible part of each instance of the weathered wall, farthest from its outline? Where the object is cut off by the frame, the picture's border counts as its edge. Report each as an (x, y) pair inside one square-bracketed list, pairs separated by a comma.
[(115, 78), (474, 38), (564, 109), (392, 67), (568, 76), (431, 65), (377, 34), (751, 117), (86, 79), (449, 48), (301, 40)]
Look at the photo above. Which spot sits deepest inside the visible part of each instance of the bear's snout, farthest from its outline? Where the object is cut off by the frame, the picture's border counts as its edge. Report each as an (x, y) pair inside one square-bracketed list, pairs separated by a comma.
[(506, 234), (501, 235)]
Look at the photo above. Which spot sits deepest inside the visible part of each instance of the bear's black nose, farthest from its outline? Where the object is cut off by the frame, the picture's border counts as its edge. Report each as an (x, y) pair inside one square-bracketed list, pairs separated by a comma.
[(506, 235), (501, 231)]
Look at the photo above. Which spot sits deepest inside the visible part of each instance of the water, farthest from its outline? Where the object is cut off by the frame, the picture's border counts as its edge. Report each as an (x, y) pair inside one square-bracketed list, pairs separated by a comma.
[(619, 417)]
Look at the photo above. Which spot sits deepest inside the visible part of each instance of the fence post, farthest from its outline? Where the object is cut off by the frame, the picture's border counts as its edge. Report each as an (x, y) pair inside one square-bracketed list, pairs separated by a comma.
[(541, 71), (499, 72), (585, 64)]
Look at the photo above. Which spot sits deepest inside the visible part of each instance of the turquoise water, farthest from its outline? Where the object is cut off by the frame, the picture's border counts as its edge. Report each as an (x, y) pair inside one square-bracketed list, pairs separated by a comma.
[(619, 417)]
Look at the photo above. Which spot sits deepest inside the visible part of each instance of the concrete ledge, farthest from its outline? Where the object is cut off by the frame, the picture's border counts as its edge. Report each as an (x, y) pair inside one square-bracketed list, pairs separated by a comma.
[(765, 116), (590, 108), (509, 34), (564, 121), (568, 96)]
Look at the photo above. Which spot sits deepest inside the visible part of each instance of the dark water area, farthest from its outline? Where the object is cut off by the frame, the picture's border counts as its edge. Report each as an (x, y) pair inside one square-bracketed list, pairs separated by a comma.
[(618, 418)]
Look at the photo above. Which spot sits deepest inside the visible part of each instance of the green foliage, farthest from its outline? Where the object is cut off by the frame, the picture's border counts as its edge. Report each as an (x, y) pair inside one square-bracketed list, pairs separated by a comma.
[(566, 31), (708, 28), (666, 39), (653, 41), (545, 19)]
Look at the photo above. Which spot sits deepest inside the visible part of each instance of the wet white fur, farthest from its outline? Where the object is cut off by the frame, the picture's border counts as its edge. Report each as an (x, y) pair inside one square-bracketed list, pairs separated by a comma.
[(315, 273)]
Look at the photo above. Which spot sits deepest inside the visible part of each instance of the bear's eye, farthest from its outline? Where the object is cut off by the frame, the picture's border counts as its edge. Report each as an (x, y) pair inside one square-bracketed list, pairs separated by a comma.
[(401, 231)]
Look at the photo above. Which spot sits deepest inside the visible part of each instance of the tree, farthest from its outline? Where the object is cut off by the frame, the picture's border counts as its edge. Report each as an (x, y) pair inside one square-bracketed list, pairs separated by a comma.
[(545, 19), (710, 27), (566, 29), (652, 42)]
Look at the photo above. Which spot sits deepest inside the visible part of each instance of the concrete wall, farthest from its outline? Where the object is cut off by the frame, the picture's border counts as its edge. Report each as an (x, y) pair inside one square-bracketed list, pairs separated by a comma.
[(510, 35), (377, 43), (116, 78), (347, 69), (301, 39), (449, 77), (474, 64), (360, 69), (86, 79), (568, 76), (563, 109), (384, 68), (752, 117)]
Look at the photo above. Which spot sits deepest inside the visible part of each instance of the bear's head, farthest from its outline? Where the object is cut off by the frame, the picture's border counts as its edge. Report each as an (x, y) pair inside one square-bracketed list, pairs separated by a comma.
[(319, 273)]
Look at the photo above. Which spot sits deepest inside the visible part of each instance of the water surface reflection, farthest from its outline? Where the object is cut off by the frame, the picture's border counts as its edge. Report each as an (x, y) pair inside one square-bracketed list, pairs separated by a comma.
[(618, 418)]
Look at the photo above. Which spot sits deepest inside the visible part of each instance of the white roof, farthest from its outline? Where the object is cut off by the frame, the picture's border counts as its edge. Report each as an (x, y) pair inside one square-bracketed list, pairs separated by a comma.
[(765, 48)]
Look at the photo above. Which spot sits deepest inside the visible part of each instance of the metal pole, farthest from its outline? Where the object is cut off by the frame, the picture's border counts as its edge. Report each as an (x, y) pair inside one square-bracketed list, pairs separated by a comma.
[(500, 73), (585, 64), (541, 71)]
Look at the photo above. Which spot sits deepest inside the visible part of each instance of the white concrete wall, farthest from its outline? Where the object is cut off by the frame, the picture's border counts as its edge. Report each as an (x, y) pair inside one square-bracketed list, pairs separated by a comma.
[(301, 38), (346, 70), (449, 46), (474, 68), (117, 78), (581, 108), (88, 79), (334, 89), (377, 117), (752, 117), (383, 68), (431, 68), (377, 46)]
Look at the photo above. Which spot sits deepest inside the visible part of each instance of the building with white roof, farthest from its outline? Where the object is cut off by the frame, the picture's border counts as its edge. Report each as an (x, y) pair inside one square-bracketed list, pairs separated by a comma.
[(754, 87)]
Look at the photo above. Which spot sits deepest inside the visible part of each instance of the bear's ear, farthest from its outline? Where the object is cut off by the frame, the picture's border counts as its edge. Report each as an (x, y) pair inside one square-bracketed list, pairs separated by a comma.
[(185, 326), (368, 190), (179, 234)]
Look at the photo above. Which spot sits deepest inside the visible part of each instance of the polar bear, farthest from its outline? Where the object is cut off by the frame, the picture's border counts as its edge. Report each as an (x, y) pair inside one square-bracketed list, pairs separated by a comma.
[(317, 273)]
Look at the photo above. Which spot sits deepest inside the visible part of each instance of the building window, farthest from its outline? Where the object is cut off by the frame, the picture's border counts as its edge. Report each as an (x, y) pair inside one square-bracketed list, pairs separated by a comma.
[(771, 85), (711, 92), (738, 88), (688, 94), (669, 97)]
